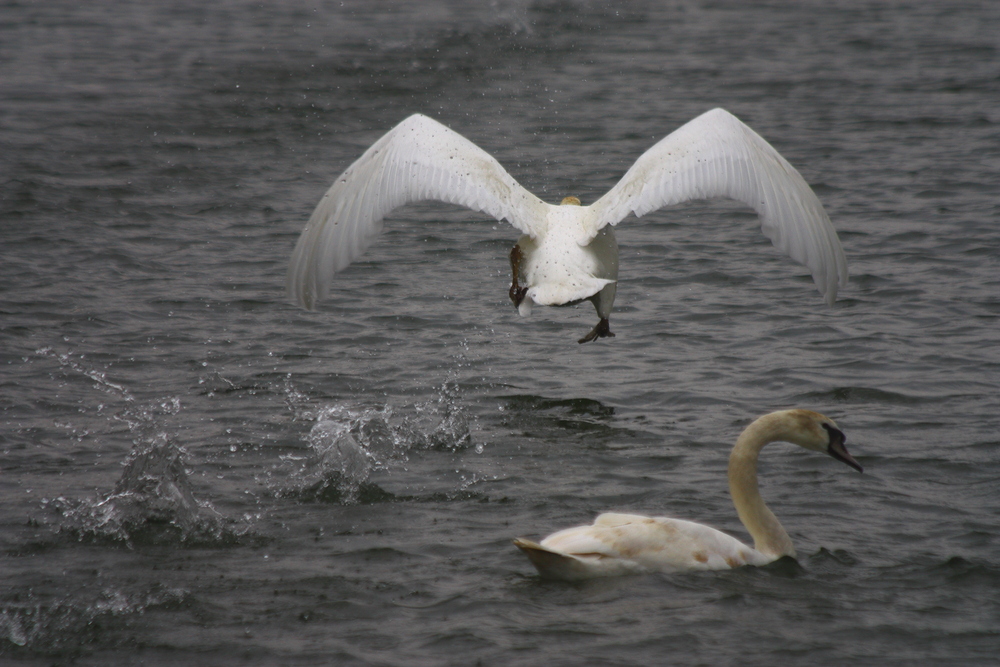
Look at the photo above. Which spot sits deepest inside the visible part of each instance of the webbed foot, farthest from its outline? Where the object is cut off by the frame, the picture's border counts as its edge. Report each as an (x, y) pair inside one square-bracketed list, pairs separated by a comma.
[(602, 330), (517, 294)]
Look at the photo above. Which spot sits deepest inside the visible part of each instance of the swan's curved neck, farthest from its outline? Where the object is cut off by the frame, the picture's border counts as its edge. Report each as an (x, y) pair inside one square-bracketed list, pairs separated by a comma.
[(769, 536)]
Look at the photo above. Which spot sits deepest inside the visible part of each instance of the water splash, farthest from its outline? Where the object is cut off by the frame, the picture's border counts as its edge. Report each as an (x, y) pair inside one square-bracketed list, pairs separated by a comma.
[(152, 503), (143, 420), (100, 379), (451, 431), (338, 466), (348, 443)]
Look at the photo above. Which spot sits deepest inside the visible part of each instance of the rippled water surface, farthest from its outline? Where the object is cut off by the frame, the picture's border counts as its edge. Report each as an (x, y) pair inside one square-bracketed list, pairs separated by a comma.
[(195, 471)]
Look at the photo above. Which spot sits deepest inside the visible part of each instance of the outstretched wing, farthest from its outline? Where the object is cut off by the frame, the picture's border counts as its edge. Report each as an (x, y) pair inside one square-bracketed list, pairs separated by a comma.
[(416, 160), (716, 155)]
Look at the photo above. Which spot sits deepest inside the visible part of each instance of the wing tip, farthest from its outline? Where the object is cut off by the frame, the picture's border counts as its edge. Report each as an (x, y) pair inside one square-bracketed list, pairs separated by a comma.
[(299, 293), (834, 283)]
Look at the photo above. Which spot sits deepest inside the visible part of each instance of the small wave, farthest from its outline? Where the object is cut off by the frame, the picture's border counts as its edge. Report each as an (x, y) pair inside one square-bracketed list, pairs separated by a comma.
[(958, 570), (864, 395), (838, 556), (578, 417), (570, 406), (31, 621)]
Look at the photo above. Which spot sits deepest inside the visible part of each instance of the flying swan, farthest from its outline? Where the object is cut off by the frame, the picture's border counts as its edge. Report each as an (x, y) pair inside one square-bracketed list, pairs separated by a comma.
[(567, 253), (618, 544)]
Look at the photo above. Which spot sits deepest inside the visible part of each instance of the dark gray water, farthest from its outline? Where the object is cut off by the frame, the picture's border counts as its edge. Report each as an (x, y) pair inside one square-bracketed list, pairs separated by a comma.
[(194, 471)]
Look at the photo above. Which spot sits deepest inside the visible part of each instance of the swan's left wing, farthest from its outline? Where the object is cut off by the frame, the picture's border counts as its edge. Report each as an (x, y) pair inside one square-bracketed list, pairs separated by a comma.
[(665, 544), (716, 155), (418, 159)]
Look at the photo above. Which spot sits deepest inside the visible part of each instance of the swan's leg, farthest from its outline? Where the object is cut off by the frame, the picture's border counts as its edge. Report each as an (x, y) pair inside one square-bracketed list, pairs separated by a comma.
[(602, 304), (602, 330), (516, 291)]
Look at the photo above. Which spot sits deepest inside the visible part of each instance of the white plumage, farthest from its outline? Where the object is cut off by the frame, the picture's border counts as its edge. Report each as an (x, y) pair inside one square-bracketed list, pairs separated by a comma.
[(617, 544), (567, 253)]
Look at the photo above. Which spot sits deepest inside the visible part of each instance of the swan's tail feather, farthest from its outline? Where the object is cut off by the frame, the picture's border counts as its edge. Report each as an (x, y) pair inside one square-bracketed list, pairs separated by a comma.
[(552, 564)]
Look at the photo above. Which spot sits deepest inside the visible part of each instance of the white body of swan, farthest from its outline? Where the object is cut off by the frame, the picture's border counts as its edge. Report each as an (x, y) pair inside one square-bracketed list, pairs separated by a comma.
[(567, 253), (619, 544)]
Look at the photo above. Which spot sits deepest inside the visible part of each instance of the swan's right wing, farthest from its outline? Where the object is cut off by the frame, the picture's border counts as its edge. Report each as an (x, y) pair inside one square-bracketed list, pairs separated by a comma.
[(418, 159), (716, 155)]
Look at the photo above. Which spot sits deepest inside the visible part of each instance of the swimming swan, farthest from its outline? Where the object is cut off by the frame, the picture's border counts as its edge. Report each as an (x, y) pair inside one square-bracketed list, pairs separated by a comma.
[(567, 253), (619, 544)]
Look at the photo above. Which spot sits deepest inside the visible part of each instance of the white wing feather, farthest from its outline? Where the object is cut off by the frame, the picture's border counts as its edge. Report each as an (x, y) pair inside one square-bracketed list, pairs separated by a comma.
[(418, 159), (716, 155)]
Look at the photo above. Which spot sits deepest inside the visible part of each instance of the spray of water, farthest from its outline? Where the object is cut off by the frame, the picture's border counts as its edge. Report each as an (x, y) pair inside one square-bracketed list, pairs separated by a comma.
[(347, 443), (153, 501)]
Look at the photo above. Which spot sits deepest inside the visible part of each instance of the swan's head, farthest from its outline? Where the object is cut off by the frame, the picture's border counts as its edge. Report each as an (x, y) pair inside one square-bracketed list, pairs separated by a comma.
[(570, 201), (819, 433)]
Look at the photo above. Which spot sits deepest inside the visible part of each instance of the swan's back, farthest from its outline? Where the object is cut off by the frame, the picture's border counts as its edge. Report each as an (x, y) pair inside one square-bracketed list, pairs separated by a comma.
[(627, 543)]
